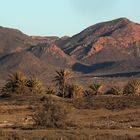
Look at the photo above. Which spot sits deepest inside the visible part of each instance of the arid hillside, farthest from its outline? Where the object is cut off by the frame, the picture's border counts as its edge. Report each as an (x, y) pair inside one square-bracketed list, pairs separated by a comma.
[(107, 48)]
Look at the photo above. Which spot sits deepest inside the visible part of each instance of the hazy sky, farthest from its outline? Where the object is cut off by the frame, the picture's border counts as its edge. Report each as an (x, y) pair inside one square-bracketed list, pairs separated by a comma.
[(63, 17)]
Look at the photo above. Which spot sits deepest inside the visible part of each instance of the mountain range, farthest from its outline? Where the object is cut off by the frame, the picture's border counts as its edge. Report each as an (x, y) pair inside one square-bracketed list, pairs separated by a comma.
[(106, 48)]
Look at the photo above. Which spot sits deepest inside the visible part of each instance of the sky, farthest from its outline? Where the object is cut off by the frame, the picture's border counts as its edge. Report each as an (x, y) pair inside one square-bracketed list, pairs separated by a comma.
[(63, 17)]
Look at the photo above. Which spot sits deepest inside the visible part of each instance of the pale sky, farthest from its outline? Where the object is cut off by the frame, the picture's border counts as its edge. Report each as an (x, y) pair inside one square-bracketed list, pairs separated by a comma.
[(63, 17)]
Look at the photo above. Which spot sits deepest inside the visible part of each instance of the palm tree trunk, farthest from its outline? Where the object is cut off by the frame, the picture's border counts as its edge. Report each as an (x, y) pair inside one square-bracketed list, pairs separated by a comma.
[(63, 90)]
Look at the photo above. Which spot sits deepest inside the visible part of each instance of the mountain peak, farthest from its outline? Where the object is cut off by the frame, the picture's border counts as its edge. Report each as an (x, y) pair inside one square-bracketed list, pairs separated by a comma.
[(123, 19), (104, 38)]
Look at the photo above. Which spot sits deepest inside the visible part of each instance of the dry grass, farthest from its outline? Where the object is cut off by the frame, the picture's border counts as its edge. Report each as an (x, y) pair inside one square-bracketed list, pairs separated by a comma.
[(105, 118)]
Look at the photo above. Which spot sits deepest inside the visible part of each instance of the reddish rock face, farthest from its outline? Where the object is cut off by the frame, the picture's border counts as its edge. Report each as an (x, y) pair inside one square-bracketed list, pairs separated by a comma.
[(53, 49), (52, 54), (121, 35)]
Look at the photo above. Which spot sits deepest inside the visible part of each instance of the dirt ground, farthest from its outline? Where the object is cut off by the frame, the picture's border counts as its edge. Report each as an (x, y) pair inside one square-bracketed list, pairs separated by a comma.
[(100, 118)]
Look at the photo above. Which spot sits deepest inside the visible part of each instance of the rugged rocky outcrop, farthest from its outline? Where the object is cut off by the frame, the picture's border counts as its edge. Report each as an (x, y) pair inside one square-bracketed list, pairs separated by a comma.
[(108, 41), (50, 53)]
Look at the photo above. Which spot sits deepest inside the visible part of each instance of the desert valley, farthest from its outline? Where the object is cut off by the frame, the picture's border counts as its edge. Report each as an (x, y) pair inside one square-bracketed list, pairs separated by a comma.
[(84, 87)]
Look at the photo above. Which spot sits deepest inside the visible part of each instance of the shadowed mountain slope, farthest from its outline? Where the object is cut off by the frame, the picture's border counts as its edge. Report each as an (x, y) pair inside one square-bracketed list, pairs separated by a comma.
[(24, 61), (50, 53), (11, 40)]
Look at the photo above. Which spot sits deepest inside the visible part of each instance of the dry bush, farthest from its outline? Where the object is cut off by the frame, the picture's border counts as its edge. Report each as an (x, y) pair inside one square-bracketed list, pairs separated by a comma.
[(88, 93), (50, 115), (10, 136), (95, 88), (5, 93), (83, 102), (132, 88), (112, 137), (35, 85), (86, 101), (16, 83), (116, 105), (115, 91), (74, 91), (50, 90)]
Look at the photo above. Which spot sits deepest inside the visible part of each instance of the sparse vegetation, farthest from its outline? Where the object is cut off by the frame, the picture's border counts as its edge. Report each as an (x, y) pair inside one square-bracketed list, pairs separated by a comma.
[(16, 83), (34, 85), (50, 115), (95, 88), (50, 90), (132, 88), (82, 108), (116, 105), (84, 102), (88, 93), (61, 80), (74, 91), (116, 90), (58, 109)]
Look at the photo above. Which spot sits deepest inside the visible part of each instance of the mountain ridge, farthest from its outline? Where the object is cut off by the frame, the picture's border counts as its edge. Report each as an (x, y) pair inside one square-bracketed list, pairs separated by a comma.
[(90, 41), (91, 51)]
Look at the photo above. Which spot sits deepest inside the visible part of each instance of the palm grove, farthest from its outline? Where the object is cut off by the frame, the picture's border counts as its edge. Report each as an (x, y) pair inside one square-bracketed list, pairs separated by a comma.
[(18, 83), (50, 113)]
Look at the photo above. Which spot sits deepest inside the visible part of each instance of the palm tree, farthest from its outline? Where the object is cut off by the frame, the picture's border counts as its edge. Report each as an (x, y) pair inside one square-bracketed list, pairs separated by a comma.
[(95, 87), (132, 88), (115, 90), (16, 83), (61, 80), (34, 85), (74, 90), (50, 90)]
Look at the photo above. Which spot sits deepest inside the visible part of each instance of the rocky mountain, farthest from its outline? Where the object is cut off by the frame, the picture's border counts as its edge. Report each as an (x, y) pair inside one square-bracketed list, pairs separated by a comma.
[(26, 62), (50, 53), (11, 40), (104, 48), (36, 55), (108, 41), (34, 40)]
